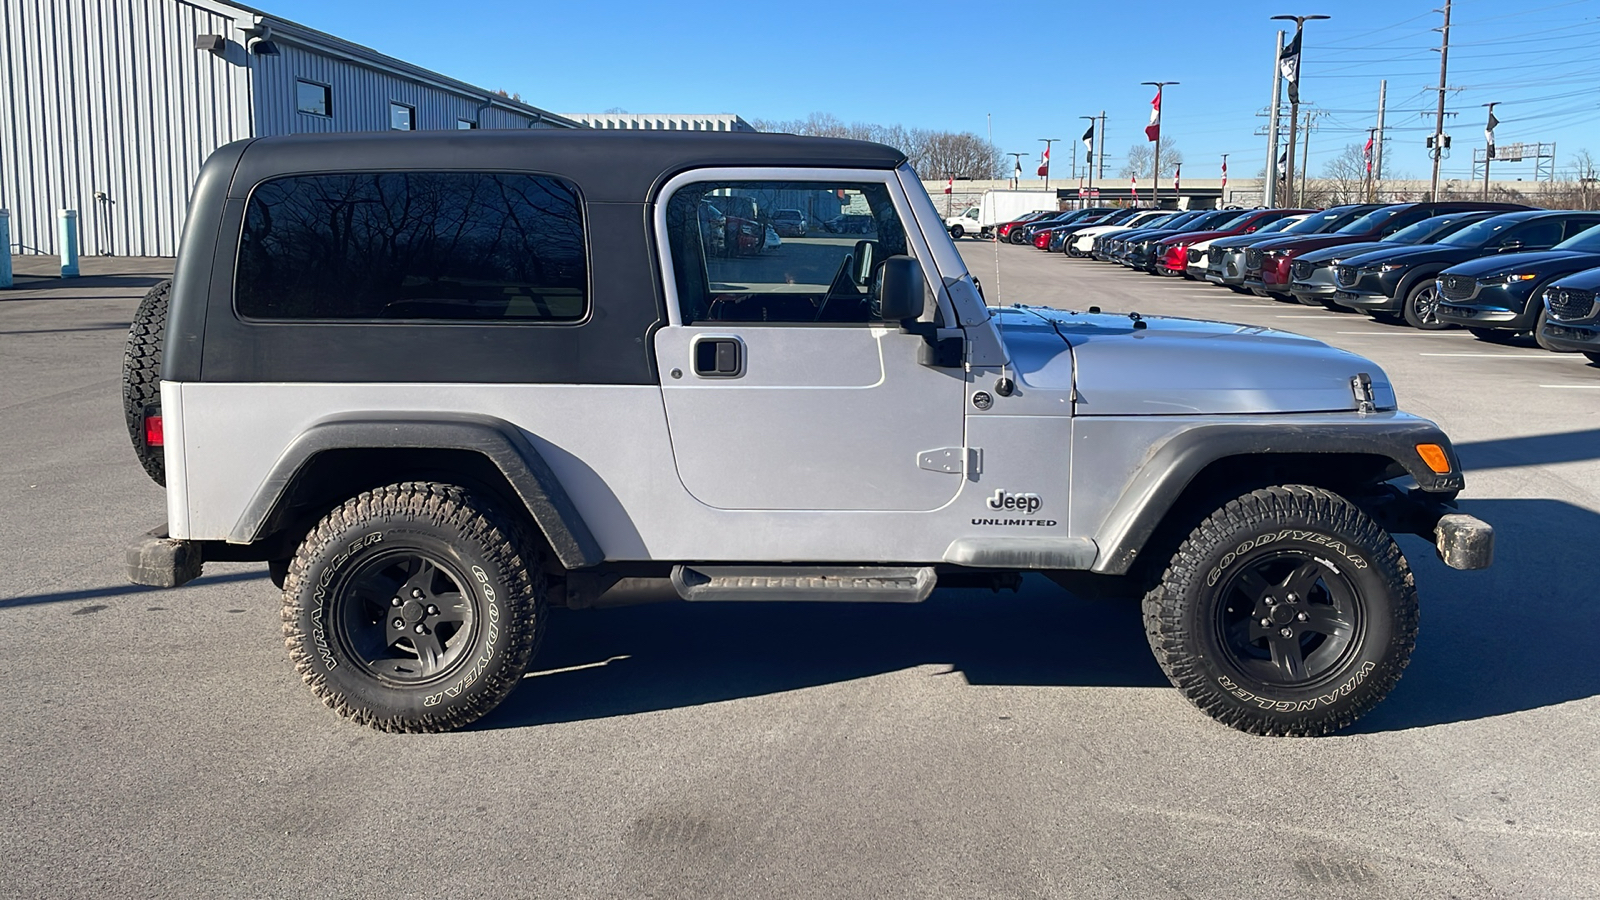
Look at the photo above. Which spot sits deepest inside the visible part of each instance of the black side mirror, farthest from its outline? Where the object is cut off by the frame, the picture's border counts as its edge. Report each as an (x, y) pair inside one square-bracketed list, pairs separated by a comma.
[(901, 292)]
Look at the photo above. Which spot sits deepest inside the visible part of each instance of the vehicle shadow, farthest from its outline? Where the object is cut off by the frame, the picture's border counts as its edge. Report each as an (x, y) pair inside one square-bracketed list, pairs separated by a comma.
[(1530, 450), (602, 663), (1517, 637)]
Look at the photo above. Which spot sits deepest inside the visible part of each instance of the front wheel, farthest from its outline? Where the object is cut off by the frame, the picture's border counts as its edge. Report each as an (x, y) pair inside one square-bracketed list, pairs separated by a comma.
[(1422, 307), (414, 607), (1287, 612), (1538, 333), (1593, 357), (956, 232)]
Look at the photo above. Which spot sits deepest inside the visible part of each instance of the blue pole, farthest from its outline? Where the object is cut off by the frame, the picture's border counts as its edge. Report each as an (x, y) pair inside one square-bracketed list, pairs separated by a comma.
[(5, 249), (69, 243)]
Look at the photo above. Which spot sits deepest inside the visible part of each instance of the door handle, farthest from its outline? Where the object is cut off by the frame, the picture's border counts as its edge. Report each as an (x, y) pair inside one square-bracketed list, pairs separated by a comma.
[(719, 357)]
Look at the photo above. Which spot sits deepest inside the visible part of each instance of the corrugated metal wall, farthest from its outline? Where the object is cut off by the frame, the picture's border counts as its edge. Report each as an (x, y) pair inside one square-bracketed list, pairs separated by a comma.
[(110, 96), (361, 97)]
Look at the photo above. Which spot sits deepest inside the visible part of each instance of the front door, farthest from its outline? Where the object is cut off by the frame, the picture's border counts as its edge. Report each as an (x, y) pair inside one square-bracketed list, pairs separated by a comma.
[(783, 388)]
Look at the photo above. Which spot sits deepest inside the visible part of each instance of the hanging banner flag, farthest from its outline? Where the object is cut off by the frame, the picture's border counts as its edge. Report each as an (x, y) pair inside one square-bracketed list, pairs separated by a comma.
[(1133, 185), (1177, 176), (950, 186), (1366, 153), (1289, 65), (1044, 167), (1488, 131), (1153, 130), (1088, 143), (1224, 173)]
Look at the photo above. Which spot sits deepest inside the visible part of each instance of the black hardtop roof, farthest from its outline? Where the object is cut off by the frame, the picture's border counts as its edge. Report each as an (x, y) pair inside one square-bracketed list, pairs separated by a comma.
[(608, 166)]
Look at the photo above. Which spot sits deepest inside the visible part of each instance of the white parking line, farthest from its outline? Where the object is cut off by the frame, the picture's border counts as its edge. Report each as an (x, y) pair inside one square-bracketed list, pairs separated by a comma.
[(1572, 387), (1406, 333), (1503, 355), (1298, 317)]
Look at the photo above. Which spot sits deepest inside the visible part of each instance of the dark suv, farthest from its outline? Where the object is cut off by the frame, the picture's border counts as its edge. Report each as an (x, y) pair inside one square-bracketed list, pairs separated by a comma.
[(1398, 282), (1498, 296)]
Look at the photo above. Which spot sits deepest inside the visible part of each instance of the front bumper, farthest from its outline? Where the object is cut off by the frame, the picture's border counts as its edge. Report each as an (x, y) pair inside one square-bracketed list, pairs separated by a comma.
[(1461, 541), (1490, 306), (1583, 338), (1314, 289)]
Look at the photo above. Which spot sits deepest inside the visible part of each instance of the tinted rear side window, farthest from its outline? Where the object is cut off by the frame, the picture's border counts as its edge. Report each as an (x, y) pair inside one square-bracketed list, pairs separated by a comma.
[(458, 246)]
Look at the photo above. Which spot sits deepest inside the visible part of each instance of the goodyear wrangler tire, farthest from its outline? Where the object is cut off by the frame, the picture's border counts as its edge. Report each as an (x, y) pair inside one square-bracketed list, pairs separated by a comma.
[(141, 375), (1286, 612), (414, 607)]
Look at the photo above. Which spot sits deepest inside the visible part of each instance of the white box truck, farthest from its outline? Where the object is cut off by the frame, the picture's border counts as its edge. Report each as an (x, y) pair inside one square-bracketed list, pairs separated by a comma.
[(997, 208)]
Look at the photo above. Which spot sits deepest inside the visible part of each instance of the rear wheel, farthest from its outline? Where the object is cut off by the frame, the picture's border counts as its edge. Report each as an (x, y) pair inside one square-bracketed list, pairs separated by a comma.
[(141, 376), (1287, 612), (1422, 307), (414, 607)]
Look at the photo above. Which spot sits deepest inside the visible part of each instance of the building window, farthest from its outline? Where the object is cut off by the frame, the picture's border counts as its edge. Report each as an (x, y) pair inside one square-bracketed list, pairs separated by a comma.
[(313, 99), (398, 246), (402, 117), (465, 125)]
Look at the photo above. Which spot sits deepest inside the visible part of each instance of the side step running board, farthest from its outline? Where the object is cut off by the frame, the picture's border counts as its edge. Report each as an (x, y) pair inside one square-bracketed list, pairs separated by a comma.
[(838, 584)]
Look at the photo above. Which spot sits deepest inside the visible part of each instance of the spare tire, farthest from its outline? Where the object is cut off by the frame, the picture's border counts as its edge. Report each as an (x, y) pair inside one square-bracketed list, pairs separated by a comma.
[(141, 375)]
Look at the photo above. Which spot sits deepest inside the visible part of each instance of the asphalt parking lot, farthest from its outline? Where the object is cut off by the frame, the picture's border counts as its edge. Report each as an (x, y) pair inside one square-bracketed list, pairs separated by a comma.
[(159, 743)]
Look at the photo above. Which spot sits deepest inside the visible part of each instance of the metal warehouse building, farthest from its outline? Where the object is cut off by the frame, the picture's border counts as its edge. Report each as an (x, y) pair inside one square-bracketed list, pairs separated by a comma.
[(109, 107)]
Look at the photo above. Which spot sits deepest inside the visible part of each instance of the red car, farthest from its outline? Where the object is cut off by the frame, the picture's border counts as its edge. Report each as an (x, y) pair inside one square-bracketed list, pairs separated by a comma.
[(1004, 231), (1172, 255)]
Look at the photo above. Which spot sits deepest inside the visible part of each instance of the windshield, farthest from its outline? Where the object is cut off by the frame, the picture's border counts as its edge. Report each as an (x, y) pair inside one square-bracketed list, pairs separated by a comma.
[(1236, 221), (1372, 221), (1318, 222), (1280, 225), (1431, 229), (1584, 241), (1479, 234)]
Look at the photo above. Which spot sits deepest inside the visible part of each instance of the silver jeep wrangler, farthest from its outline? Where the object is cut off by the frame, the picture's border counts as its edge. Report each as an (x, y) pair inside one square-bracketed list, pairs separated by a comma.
[(442, 382)]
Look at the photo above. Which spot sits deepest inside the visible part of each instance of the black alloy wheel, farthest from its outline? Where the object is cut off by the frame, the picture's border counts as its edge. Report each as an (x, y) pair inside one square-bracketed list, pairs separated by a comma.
[(1287, 611), (410, 622), (1422, 307)]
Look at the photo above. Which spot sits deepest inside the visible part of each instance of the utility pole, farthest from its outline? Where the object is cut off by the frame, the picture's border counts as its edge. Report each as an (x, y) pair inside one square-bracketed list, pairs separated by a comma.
[(1045, 169), (1271, 178), (1377, 145), (1488, 148), (1305, 157), (1294, 91), (1438, 121), (1016, 171), (1155, 169)]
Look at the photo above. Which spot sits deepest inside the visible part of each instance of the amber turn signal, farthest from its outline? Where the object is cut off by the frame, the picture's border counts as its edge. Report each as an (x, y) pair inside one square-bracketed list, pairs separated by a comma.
[(1435, 457)]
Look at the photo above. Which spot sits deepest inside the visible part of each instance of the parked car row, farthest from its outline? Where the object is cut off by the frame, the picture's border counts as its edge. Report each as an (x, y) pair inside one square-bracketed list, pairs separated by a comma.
[(1500, 270)]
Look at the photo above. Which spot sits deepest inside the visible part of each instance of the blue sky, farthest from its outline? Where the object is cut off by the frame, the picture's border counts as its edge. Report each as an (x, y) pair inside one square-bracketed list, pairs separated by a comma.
[(1033, 67)]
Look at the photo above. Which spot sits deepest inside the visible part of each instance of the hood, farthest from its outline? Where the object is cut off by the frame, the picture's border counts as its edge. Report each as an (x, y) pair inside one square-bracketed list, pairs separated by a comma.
[(1191, 237), (1409, 255), (1586, 280), (1329, 254), (1310, 242), (1246, 240), (1543, 261), (1175, 366)]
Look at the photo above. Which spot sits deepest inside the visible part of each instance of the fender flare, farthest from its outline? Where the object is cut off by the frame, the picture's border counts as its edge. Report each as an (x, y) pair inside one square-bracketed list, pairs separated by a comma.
[(1411, 279), (502, 443), (1170, 469)]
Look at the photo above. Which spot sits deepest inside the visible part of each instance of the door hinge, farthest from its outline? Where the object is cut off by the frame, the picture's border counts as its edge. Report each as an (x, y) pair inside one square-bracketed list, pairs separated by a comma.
[(951, 460)]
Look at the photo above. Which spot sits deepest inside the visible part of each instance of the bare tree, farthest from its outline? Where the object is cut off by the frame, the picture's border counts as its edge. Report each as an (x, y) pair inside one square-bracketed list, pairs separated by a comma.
[(1344, 178), (1141, 159), (934, 154)]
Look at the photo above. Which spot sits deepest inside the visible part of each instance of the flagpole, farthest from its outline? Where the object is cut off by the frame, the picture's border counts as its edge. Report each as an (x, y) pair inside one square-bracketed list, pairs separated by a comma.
[(1488, 150), (1294, 93), (1089, 163), (1155, 169)]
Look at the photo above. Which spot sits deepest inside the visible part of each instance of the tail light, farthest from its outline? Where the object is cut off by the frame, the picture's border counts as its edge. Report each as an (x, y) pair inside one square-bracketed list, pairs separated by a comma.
[(153, 436)]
